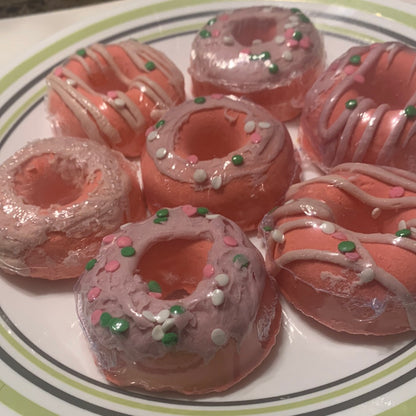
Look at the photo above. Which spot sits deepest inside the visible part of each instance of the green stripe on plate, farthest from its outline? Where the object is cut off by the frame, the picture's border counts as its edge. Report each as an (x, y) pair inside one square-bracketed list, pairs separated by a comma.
[(407, 408), (20, 404)]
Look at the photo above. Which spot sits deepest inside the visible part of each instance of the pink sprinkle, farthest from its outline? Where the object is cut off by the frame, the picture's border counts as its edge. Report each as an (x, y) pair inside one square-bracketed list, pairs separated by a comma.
[(93, 293), (255, 138), (124, 241), (230, 241), (339, 235), (359, 78), (289, 32), (215, 33), (292, 43), (208, 270), (305, 42), (223, 17), (350, 69), (149, 130), (155, 295), (193, 159), (396, 192), (112, 266), (112, 94), (217, 96), (189, 210), (95, 316), (245, 51), (59, 71), (108, 239), (353, 256)]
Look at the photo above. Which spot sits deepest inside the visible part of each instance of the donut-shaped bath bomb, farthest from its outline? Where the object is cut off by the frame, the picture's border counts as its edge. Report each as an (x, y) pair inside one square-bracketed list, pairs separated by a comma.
[(362, 109), (269, 55), (223, 153), (59, 197), (343, 249), (181, 302), (113, 93)]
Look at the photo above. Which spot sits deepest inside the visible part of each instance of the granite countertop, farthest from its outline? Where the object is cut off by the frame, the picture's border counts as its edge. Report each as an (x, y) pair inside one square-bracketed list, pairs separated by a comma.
[(13, 8)]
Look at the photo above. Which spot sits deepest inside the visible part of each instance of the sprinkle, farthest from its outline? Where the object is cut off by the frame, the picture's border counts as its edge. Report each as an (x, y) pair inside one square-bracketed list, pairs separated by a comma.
[(118, 325), (218, 337), (346, 247), (112, 266), (81, 52), (305, 43), (355, 60), (177, 310), (264, 125), (150, 66), (162, 316), (292, 43), (200, 176), (277, 236), (211, 21), (295, 10), (215, 33), (273, 69), (157, 333), (95, 316), (241, 261), (255, 138), (161, 153), (160, 123), (367, 275), (108, 239), (170, 338), (353, 256), (189, 210), (112, 94), (224, 17), (125, 225), (152, 135), (205, 34), (297, 35), (200, 100), (212, 216), (216, 182), (291, 24), (168, 324), (217, 96), (410, 111), (349, 69), (128, 251), (217, 297), (222, 279), (279, 39), (287, 55), (250, 126), (327, 227), (304, 18), (162, 213), (359, 78), (351, 104), (119, 103), (405, 232), (155, 295), (90, 264), (230, 241), (193, 159), (228, 40), (149, 316), (208, 270), (93, 293), (202, 211), (59, 72), (124, 241), (262, 56), (396, 192), (71, 82), (154, 286), (375, 213), (160, 220), (402, 224), (256, 42), (339, 235), (237, 160), (105, 319), (289, 33)]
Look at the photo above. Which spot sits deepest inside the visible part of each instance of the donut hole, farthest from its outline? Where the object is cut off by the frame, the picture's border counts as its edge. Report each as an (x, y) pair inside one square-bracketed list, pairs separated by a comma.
[(48, 179), (211, 134), (245, 31), (176, 265)]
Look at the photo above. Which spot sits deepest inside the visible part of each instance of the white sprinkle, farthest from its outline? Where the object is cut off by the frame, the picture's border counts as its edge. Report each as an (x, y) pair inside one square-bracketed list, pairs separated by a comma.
[(402, 225), (216, 182), (118, 102), (287, 56), (218, 336), (367, 275), (375, 213), (168, 324), (290, 25), (162, 316), (152, 135), (264, 124), (157, 333), (228, 40), (217, 297), (161, 153), (289, 201), (71, 82), (279, 39), (149, 316), (200, 176), (256, 42), (126, 225), (277, 236), (250, 126), (327, 227), (222, 279), (294, 18), (211, 216)]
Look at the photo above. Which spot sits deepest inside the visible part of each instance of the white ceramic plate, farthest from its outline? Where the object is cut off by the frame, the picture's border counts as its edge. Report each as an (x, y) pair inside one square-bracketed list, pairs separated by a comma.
[(45, 364)]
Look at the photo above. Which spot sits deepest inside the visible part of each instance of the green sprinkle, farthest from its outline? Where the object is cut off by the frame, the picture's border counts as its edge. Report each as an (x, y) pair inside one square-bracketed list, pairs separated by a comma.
[(273, 69), (241, 260), (154, 286), (295, 10), (160, 123), (211, 21), (170, 338), (81, 52), (177, 309), (410, 111), (162, 213), (160, 220), (199, 100), (105, 319), (346, 246), (202, 211), (128, 251), (237, 160), (297, 35), (355, 60), (267, 228), (205, 34), (118, 325), (90, 264), (351, 104), (304, 19), (150, 66), (404, 233)]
